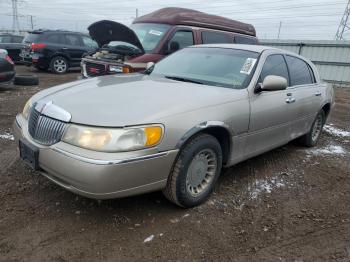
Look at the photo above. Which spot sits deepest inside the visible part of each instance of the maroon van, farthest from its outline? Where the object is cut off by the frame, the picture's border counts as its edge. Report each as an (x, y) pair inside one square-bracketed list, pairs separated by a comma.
[(156, 35)]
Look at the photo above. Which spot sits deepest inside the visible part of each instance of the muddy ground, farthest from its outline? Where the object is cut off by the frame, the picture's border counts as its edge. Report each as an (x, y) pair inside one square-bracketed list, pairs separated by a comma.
[(291, 204)]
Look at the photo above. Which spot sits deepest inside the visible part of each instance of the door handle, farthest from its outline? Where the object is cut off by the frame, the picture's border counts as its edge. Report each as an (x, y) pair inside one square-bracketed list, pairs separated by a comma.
[(317, 93), (290, 100)]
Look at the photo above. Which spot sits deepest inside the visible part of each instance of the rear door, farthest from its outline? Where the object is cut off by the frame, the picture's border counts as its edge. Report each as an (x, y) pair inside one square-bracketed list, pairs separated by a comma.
[(270, 119), (74, 48), (305, 97)]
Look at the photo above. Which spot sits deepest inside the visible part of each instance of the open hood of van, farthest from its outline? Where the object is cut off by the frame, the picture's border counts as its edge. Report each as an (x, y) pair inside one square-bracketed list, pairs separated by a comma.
[(105, 31)]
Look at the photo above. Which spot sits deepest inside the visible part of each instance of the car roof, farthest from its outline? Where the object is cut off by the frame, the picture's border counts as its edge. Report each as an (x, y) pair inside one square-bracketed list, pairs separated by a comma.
[(189, 17)]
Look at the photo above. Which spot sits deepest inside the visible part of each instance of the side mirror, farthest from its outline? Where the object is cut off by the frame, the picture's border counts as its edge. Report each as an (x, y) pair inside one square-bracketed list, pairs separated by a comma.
[(149, 65), (272, 83)]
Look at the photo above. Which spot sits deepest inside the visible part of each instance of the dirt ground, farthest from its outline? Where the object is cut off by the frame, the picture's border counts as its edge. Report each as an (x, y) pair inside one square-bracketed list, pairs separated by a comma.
[(291, 204)]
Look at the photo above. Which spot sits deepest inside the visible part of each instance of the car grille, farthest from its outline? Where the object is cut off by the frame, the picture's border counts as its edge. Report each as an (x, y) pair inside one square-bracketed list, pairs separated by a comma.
[(93, 69), (45, 130)]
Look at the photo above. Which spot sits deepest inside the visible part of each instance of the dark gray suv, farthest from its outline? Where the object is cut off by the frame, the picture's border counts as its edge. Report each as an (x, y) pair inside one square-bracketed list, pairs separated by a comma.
[(55, 50)]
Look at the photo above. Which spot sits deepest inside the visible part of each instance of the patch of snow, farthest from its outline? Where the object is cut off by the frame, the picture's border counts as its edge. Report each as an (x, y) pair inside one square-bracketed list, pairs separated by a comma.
[(264, 186), (336, 131), (7, 136), (328, 150), (149, 239)]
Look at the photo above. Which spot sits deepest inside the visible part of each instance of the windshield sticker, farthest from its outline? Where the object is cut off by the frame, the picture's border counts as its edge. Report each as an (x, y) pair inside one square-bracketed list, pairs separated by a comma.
[(248, 66), (155, 32)]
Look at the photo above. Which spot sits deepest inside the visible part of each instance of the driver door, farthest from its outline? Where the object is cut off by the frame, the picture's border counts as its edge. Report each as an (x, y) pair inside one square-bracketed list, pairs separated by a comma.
[(269, 119)]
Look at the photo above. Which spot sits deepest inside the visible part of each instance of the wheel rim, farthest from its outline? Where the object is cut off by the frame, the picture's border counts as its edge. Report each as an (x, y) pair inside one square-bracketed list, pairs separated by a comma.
[(60, 65), (201, 172), (317, 128)]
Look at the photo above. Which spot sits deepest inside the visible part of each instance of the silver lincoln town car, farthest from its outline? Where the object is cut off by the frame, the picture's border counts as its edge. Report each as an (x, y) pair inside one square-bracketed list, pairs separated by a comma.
[(173, 127)]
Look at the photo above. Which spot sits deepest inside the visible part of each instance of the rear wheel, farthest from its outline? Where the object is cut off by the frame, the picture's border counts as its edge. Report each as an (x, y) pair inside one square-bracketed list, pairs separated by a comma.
[(195, 172), (59, 65), (310, 139)]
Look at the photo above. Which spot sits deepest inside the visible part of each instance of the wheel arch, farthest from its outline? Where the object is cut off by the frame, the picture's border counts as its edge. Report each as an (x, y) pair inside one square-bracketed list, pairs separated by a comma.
[(327, 109), (217, 129)]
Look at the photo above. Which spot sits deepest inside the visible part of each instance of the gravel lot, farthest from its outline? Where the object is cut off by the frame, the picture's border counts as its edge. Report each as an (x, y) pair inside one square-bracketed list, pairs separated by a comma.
[(291, 204)]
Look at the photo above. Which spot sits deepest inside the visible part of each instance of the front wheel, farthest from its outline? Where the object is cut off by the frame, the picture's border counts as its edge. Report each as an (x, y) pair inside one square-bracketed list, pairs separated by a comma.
[(59, 65), (195, 171), (310, 139)]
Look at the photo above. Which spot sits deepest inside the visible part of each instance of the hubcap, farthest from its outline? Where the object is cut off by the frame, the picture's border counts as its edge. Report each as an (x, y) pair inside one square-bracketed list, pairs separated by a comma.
[(201, 172), (60, 65), (317, 128)]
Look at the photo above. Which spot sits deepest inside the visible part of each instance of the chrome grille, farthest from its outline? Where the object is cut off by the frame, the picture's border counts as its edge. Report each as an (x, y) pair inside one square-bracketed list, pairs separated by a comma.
[(45, 130)]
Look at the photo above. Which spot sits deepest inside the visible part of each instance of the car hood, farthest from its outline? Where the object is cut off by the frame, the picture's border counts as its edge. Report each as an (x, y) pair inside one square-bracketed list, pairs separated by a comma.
[(133, 99), (105, 31)]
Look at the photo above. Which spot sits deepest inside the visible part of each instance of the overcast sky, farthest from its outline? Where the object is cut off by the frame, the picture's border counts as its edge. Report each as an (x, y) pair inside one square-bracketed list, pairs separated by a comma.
[(301, 19)]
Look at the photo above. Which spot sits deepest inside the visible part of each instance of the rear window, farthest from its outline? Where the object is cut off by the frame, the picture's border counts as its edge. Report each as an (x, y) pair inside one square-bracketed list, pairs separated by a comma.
[(239, 39), (216, 38), (31, 38)]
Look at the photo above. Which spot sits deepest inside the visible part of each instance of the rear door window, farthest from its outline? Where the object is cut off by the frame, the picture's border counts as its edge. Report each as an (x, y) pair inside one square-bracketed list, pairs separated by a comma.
[(210, 37), (73, 40), (240, 39), (55, 39), (274, 65), (299, 71)]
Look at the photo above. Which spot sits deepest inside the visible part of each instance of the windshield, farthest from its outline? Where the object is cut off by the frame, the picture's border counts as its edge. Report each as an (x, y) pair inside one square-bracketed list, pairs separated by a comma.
[(230, 68), (149, 34)]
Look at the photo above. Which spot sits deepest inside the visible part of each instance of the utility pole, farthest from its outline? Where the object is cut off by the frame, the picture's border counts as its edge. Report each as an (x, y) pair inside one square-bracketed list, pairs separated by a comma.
[(344, 24), (137, 12), (15, 22), (279, 29), (31, 22)]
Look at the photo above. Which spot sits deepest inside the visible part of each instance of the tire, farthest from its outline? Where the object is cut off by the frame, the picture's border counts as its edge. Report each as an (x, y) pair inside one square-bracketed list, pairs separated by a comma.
[(311, 138), (191, 172), (59, 65), (26, 80)]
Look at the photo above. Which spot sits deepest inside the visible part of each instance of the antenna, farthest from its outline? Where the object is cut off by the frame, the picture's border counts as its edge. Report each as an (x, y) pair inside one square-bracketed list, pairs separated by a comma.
[(15, 22), (344, 24)]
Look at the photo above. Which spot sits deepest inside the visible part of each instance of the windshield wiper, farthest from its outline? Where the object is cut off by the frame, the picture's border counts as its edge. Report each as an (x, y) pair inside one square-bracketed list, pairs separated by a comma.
[(183, 79)]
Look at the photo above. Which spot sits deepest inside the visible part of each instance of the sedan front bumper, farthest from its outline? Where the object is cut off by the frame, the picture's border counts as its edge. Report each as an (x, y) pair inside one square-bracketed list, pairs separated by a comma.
[(75, 170)]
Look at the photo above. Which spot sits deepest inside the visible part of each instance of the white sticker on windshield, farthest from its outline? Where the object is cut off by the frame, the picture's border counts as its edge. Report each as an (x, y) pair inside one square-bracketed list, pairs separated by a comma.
[(155, 32), (248, 66)]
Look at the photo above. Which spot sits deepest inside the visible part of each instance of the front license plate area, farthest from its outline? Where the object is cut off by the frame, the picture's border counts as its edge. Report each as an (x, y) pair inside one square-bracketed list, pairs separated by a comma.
[(29, 154)]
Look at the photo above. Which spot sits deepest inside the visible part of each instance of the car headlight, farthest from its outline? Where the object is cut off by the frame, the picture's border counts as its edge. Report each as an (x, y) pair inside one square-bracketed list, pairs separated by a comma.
[(26, 108), (113, 139)]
